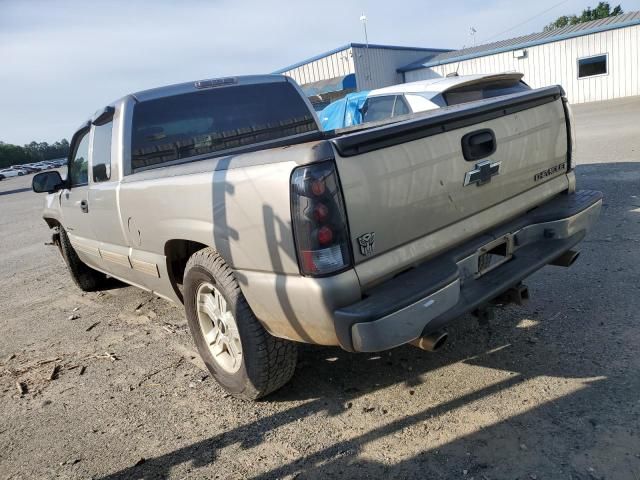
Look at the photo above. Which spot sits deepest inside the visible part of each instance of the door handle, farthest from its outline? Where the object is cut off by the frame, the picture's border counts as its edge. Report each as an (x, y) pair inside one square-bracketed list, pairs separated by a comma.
[(84, 206), (479, 144)]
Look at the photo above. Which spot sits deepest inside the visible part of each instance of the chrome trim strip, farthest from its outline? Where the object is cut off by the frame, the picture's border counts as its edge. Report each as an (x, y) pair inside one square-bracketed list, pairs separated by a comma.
[(115, 258), (84, 248), (145, 267)]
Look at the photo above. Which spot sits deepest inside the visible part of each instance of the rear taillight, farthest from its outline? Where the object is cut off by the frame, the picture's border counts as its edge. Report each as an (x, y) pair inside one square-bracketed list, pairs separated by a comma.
[(319, 220)]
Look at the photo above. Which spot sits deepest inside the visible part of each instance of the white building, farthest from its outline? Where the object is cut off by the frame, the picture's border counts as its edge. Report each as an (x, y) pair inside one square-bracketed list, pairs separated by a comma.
[(593, 61), (352, 67)]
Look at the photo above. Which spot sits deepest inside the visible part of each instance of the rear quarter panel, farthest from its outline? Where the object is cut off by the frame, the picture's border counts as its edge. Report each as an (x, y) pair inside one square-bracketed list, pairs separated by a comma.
[(240, 212)]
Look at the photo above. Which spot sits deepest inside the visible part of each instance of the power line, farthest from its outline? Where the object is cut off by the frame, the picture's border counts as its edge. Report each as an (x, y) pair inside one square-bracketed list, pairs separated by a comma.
[(526, 21)]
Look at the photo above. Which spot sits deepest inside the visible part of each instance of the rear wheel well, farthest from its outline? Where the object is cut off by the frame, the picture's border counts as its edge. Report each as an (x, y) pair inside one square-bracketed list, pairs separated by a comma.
[(177, 253)]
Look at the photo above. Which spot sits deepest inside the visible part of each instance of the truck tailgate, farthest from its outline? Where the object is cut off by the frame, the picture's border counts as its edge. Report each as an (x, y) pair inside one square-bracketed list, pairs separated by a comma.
[(410, 180)]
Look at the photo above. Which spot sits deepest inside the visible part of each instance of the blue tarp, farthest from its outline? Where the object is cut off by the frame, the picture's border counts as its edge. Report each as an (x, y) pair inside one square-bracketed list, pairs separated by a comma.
[(344, 112)]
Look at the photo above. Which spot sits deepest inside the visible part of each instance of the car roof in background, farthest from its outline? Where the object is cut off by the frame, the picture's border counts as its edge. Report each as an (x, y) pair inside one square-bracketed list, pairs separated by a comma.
[(442, 84)]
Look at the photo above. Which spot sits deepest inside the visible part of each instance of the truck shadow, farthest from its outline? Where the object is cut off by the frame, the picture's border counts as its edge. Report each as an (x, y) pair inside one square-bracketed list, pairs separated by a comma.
[(566, 335)]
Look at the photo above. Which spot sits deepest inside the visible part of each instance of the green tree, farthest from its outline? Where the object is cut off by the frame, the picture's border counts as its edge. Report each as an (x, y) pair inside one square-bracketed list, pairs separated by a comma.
[(32, 152), (603, 10)]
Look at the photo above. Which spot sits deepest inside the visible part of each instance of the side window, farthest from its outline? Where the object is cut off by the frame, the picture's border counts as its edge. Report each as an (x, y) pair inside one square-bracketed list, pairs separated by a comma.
[(422, 103), (79, 166), (101, 153), (378, 108), (401, 107)]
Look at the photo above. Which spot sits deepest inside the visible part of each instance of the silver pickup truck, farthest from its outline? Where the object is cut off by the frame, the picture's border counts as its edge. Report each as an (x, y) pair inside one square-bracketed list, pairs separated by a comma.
[(224, 195)]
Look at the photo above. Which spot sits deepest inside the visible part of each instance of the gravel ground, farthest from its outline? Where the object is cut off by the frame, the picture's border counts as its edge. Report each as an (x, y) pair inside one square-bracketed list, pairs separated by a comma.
[(112, 387)]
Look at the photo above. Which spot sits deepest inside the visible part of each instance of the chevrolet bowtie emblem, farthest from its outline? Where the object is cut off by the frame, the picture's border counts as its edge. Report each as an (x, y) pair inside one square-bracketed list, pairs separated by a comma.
[(482, 173)]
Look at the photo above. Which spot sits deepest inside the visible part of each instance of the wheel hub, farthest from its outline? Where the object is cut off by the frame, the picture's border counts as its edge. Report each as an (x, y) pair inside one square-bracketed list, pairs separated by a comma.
[(219, 328)]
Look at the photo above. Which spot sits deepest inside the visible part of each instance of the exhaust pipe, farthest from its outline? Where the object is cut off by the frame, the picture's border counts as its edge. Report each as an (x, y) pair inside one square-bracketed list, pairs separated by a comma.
[(566, 259), (431, 342)]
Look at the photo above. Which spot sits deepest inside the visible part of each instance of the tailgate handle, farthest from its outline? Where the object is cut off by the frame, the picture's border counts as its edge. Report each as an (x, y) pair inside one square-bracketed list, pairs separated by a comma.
[(478, 144)]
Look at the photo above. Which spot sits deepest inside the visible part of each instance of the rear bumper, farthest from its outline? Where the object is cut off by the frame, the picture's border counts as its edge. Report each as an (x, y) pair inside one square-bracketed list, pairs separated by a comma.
[(428, 296)]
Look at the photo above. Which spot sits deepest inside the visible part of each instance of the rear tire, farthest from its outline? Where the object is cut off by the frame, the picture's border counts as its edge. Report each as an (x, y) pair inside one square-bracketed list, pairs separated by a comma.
[(87, 279), (255, 363)]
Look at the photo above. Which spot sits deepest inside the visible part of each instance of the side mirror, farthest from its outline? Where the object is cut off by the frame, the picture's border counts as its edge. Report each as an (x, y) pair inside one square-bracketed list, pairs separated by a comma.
[(48, 182)]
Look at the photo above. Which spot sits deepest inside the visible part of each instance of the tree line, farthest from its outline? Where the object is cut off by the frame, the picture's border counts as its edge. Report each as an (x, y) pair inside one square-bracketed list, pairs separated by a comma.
[(33, 152), (603, 10)]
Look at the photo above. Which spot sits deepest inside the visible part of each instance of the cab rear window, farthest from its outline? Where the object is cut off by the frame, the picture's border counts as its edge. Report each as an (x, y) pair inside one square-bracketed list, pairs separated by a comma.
[(213, 121), (473, 93)]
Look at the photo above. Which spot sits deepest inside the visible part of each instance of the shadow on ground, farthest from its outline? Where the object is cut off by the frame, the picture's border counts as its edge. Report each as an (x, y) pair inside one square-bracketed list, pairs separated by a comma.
[(15, 190)]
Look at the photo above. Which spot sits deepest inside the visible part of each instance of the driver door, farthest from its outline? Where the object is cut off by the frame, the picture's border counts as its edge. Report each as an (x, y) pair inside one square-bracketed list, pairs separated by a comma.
[(74, 201)]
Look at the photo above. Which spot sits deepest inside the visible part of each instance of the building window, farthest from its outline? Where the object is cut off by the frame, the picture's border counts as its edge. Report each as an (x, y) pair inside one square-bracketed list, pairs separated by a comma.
[(591, 66)]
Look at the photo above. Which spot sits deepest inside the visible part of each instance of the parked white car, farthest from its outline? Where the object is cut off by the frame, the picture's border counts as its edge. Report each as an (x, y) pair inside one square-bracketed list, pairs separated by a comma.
[(43, 165), (9, 172), (414, 97)]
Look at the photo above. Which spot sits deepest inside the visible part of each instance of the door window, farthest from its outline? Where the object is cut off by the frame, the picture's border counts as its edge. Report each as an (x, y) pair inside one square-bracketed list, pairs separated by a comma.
[(101, 153), (79, 166)]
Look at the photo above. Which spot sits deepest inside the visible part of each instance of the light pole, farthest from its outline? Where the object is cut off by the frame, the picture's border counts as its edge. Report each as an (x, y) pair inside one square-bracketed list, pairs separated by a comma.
[(363, 19)]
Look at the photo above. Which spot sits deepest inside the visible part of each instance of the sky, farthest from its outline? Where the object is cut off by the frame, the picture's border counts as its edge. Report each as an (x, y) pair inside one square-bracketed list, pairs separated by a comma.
[(62, 60)]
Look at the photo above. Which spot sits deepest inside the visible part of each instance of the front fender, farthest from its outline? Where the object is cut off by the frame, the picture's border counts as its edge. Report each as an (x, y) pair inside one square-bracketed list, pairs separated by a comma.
[(52, 213)]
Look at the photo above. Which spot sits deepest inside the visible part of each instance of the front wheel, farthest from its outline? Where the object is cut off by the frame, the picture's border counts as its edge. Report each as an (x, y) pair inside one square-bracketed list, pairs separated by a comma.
[(86, 278), (241, 355)]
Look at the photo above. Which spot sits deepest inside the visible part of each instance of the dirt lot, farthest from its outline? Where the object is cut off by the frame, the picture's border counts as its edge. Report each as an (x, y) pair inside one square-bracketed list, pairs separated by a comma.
[(550, 390)]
